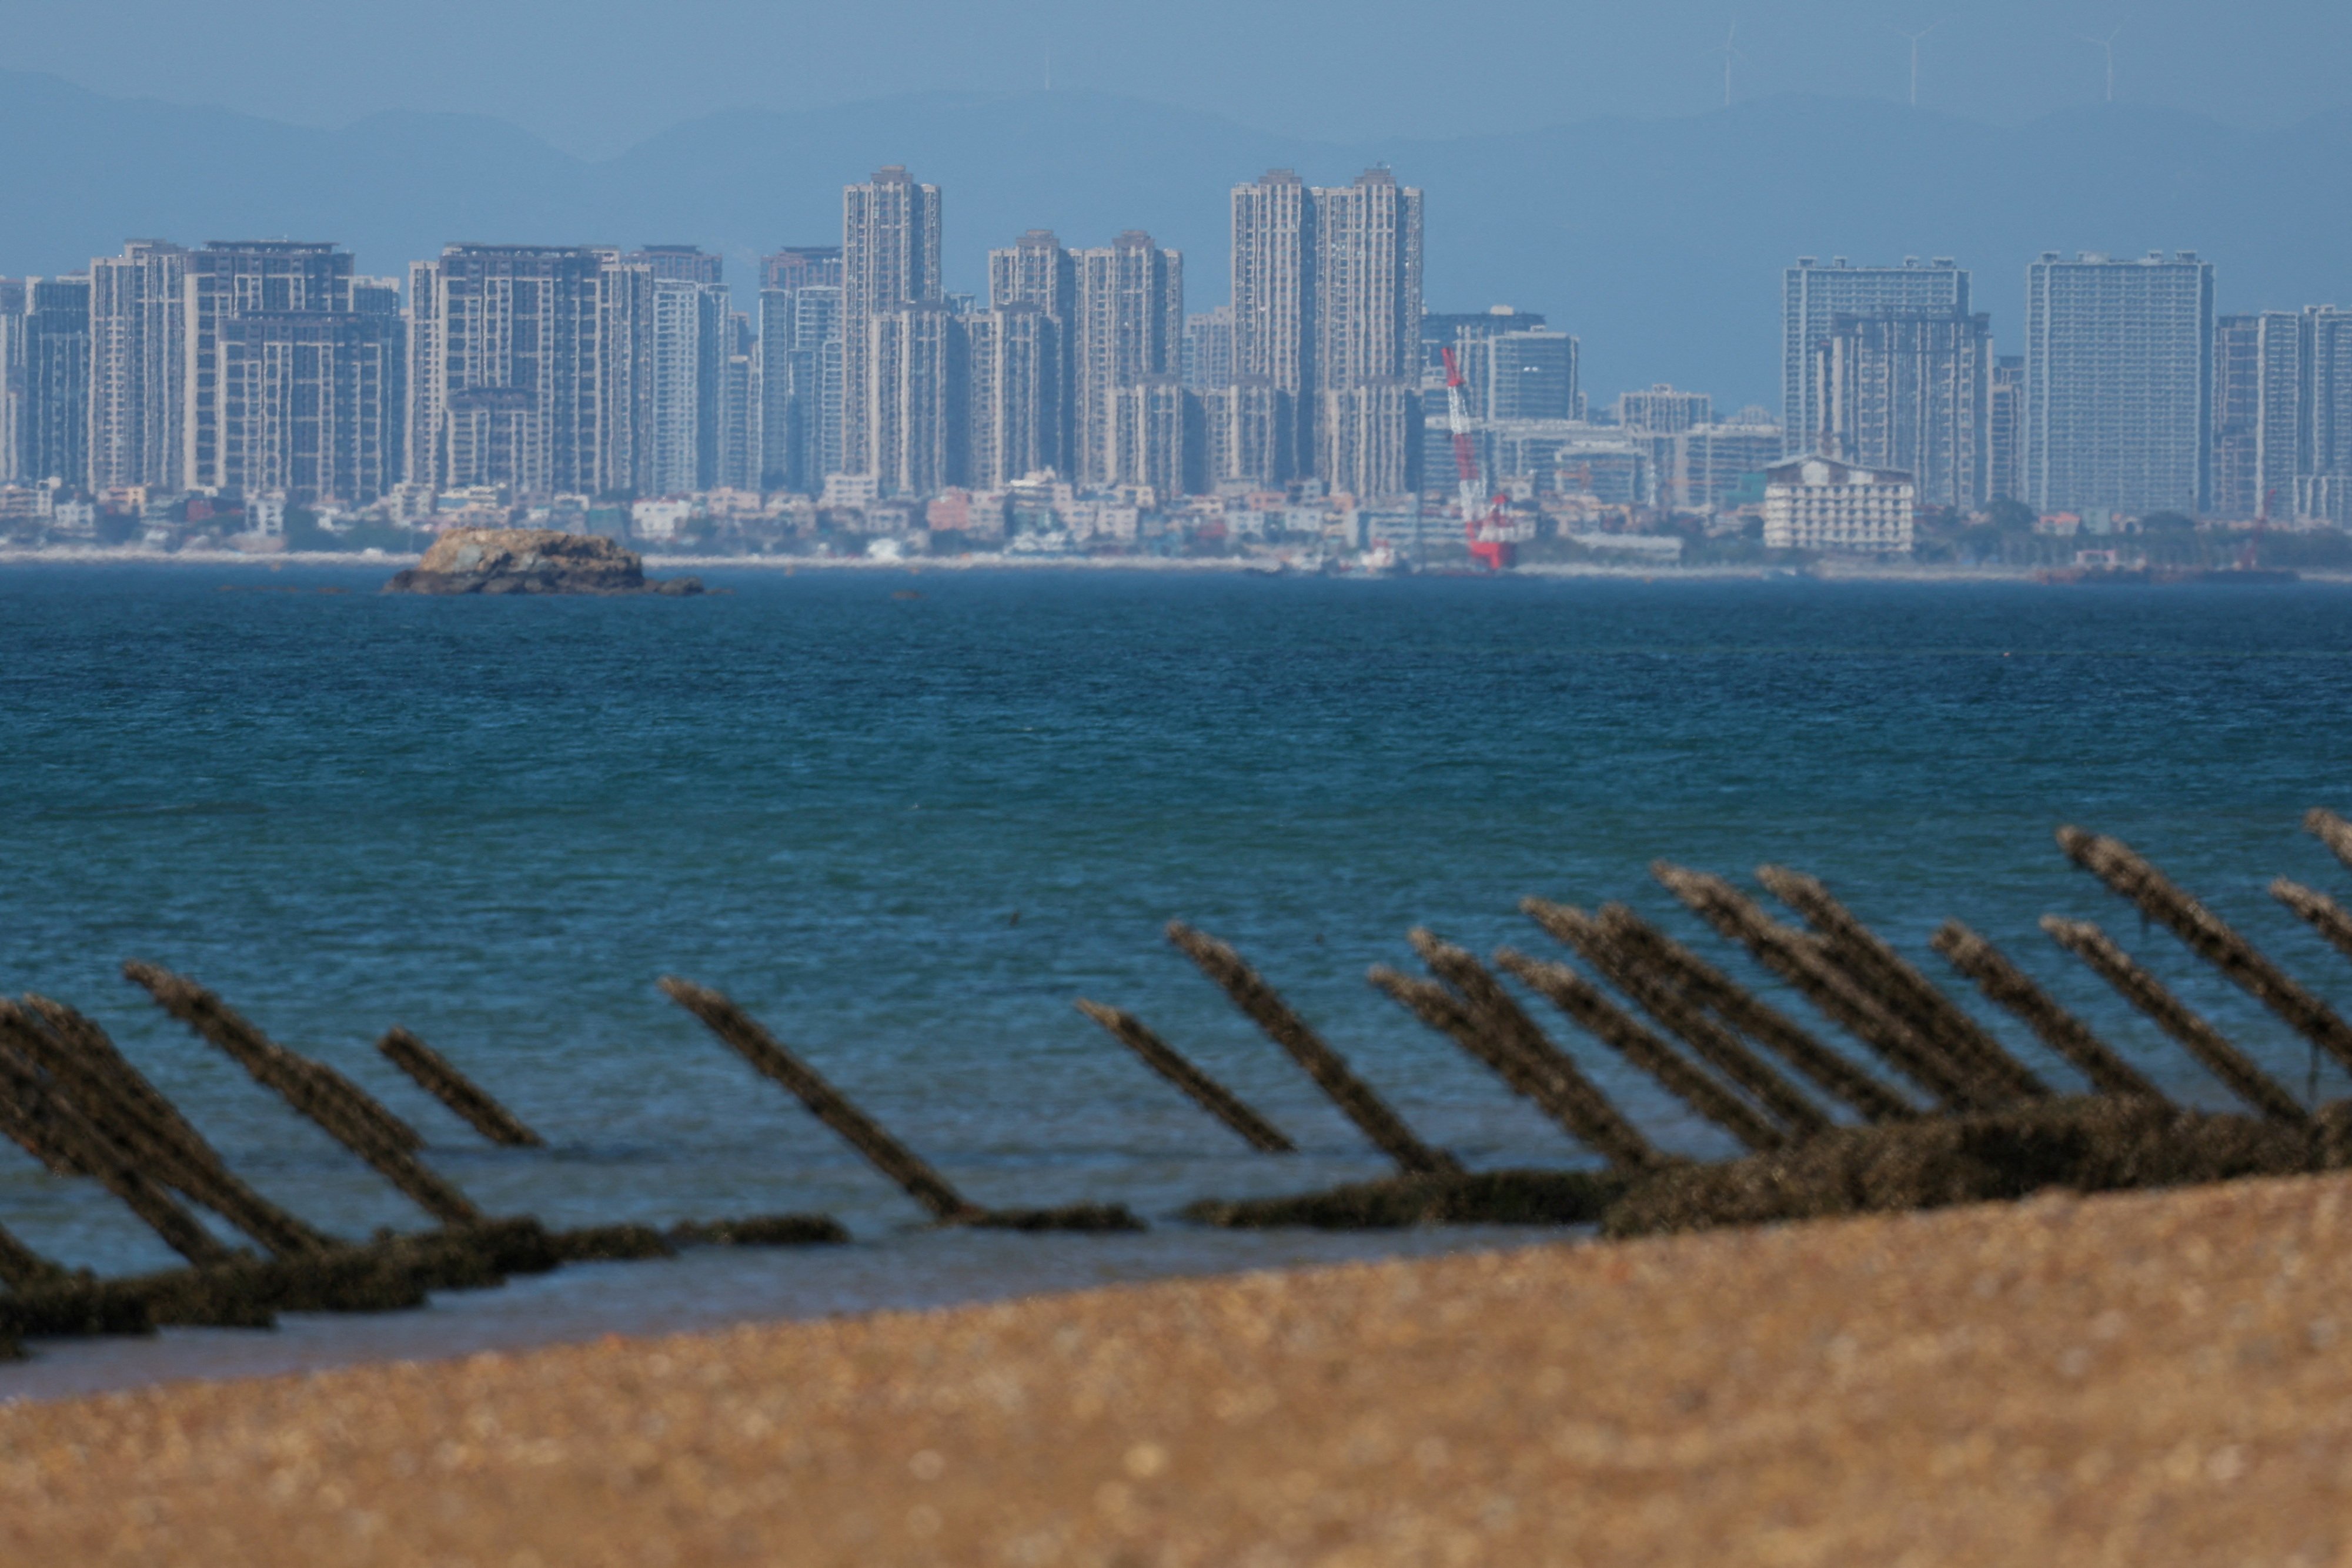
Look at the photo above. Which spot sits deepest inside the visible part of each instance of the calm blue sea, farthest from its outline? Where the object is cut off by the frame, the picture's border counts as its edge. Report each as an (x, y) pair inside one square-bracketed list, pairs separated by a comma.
[(908, 817)]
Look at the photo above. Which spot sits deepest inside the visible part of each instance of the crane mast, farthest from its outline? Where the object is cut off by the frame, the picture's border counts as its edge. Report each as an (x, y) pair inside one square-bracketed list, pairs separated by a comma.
[(1485, 521)]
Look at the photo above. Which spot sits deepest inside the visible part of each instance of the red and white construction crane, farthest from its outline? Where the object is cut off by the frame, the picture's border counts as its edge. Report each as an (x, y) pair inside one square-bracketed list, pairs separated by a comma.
[(1485, 520)]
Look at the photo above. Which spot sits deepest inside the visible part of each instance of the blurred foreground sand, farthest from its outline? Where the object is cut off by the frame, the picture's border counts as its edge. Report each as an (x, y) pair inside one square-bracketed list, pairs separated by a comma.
[(2152, 1378)]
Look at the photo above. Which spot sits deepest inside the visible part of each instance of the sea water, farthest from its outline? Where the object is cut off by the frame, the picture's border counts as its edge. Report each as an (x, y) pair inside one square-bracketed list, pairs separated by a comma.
[(905, 817)]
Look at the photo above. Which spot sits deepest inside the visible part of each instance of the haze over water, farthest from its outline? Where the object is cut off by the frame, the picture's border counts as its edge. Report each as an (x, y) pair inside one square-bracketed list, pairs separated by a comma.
[(498, 821)]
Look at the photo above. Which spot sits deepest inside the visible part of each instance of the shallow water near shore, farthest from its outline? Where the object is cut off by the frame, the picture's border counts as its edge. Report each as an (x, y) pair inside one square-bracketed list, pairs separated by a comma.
[(906, 819)]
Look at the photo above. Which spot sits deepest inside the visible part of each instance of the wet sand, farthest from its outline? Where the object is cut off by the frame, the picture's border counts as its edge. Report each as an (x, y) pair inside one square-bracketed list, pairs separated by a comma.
[(2130, 1380)]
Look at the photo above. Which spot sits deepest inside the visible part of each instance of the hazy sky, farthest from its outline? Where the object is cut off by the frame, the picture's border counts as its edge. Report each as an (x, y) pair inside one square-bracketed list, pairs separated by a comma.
[(594, 76)]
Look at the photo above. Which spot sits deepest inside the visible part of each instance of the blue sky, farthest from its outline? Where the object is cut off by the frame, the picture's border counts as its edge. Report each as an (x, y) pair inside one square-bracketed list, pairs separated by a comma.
[(594, 76)]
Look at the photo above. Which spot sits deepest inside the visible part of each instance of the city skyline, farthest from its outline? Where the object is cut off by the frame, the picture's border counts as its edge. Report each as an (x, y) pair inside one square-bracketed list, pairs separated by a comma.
[(257, 368)]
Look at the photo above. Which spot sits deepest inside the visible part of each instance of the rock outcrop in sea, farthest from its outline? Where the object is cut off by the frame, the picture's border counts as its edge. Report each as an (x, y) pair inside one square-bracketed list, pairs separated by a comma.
[(532, 561)]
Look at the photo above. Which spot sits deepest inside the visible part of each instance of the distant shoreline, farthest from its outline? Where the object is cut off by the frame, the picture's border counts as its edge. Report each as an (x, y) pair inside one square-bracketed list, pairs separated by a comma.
[(1830, 571)]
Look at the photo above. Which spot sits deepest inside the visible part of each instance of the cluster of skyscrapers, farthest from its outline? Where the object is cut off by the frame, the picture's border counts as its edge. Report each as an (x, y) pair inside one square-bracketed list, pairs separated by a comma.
[(2130, 397), (273, 368)]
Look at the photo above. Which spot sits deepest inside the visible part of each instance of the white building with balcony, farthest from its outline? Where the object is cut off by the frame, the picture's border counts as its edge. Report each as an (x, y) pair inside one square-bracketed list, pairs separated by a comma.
[(1816, 503)]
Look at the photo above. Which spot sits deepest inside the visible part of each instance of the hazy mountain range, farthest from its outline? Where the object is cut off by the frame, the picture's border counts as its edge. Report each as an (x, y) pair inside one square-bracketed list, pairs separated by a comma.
[(1657, 241)]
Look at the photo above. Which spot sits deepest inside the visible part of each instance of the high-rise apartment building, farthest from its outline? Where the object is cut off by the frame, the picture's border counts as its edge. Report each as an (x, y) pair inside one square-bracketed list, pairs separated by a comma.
[(680, 263), (1664, 410), (1531, 374), (1131, 329), (509, 375), (226, 279), (1274, 278), (1811, 298), (739, 443), (690, 356), (1209, 349), (915, 382), (1910, 391), (53, 412), (2005, 434), (800, 380), (2119, 383), (801, 266), (2282, 394), (890, 266), (2326, 492), (12, 375), (309, 402), (1014, 403), (1036, 270), (138, 391), (1367, 246), (2262, 433), (1148, 428)]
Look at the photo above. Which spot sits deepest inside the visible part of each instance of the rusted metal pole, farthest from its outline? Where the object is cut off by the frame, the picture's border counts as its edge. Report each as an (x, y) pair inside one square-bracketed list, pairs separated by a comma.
[(1327, 1067), (742, 1033), (62, 1122), (1794, 957), (22, 1269), (2323, 914), (84, 1066), (1586, 1111), (21, 1125), (2208, 937), (2201, 1040), (1594, 1013), (1204, 1090), (2330, 830), (1716, 1046), (310, 1088), (435, 1075), (2006, 985), (1827, 1071), (1892, 977), (269, 1063)]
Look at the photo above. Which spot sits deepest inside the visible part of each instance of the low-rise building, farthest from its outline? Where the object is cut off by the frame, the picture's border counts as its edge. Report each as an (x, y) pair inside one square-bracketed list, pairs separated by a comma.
[(1816, 503)]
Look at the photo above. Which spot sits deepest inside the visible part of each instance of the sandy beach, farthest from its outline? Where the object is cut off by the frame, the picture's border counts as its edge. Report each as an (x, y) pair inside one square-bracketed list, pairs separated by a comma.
[(2132, 1380)]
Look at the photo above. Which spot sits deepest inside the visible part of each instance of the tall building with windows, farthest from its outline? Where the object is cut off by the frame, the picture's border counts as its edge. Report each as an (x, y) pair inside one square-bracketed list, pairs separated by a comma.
[(1014, 403), (2005, 436), (509, 368), (914, 382), (2326, 492), (138, 345), (1367, 332), (309, 402), (1209, 350), (2283, 415), (226, 279), (1664, 410), (2262, 412), (680, 263), (689, 353), (12, 375), (2118, 383), (740, 441), (800, 381), (889, 266), (1131, 329), (801, 266), (1912, 391), (1274, 278), (1811, 298), (53, 413), (1532, 374), (1036, 270)]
